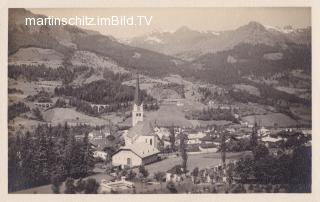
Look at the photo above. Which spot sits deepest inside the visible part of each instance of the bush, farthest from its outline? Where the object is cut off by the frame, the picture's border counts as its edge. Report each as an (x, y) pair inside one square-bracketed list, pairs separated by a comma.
[(250, 187), (171, 187), (143, 171), (91, 186), (276, 189), (70, 188), (56, 183), (80, 185), (131, 175), (159, 176), (37, 114)]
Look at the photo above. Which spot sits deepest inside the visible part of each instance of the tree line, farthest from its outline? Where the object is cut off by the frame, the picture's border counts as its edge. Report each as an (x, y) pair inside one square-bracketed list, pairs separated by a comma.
[(208, 114), (108, 92), (34, 73), (16, 109), (48, 154), (291, 166)]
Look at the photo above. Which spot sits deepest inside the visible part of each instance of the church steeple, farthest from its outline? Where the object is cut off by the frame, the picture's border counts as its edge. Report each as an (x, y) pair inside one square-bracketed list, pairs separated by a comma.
[(137, 111), (137, 96)]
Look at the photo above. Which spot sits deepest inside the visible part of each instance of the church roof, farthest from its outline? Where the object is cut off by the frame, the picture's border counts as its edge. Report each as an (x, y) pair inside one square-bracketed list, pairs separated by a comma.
[(142, 128), (137, 95), (141, 149)]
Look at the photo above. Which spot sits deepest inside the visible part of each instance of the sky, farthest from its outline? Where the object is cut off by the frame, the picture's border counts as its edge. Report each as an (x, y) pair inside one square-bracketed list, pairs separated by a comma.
[(201, 19)]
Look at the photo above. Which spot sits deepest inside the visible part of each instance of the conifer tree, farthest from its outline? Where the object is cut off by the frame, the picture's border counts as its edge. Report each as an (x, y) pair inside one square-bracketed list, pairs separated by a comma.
[(69, 155), (183, 151), (87, 154), (41, 155), (14, 163), (27, 161)]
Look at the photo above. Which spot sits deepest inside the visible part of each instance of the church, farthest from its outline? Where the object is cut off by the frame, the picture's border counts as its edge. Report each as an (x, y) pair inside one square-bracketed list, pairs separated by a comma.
[(141, 142)]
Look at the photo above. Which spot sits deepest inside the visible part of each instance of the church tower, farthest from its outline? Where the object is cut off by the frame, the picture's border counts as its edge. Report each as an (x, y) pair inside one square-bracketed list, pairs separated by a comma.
[(137, 112)]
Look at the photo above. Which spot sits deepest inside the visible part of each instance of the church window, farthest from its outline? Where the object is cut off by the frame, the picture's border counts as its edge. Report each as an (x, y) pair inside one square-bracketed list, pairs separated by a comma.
[(150, 141)]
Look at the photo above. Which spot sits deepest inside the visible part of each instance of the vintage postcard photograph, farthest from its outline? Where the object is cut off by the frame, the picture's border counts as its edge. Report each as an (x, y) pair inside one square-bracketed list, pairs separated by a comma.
[(194, 100)]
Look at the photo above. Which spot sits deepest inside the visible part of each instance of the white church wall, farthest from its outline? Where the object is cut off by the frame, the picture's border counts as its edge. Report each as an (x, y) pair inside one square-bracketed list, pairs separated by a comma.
[(122, 156)]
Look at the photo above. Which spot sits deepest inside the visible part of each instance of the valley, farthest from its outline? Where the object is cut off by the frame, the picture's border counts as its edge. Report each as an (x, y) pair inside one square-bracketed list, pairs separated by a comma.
[(90, 97)]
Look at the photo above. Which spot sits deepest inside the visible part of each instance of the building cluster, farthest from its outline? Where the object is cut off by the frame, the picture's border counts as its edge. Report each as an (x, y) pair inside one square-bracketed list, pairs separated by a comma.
[(145, 143)]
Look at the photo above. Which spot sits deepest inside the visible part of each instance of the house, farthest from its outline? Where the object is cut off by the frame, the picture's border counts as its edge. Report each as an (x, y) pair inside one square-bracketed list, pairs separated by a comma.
[(100, 154), (166, 141), (98, 134), (208, 148), (133, 155), (271, 141), (162, 132), (195, 137), (174, 174), (263, 132)]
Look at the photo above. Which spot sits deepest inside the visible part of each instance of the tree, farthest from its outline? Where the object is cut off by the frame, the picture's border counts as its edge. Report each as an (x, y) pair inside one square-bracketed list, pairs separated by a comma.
[(143, 171), (60, 103), (70, 157), (80, 185), (41, 155), (195, 174), (254, 138), (214, 190), (183, 151), (223, 148), (172, 138), (27, 161), (159, 176), (37, 114), (171, 187), (87, 156), (70, 187), (245, 168), (14, 170), (56, 183), (131, 175), (91, 186), (301, 170), (260, 152)]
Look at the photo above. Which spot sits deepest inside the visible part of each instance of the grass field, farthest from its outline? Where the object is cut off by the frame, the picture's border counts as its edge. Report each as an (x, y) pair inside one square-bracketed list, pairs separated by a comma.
[(269, 120), (70, 115), (194, 160)]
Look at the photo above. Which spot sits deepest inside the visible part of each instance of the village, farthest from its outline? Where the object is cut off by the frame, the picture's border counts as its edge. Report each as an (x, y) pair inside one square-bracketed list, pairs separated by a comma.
[(150, 158), (183, 111)]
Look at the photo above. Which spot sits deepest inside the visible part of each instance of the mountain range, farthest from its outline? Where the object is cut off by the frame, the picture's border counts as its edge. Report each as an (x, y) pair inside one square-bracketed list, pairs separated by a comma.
[(210, 56), (69, 40), (189, 44)]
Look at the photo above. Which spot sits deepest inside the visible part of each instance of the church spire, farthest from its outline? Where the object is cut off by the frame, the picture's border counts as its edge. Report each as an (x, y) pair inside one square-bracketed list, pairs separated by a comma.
[(137, 96)]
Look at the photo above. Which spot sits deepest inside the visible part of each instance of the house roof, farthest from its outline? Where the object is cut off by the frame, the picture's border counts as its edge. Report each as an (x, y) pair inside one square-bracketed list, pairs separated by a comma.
[(196, 135), (207, 138), (271, 139), (177, 169), (142, 128), (141, 149)]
